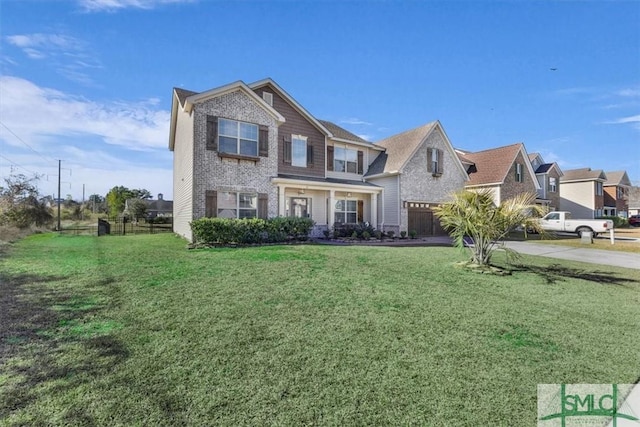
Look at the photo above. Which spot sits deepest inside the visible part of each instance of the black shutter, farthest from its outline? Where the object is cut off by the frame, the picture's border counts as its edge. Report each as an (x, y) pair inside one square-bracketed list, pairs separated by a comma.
[(212, 133), (263, 141), (263, 205), (309, 155), (287, 150), (211, 204), (360, 162), (430, 160), (440, 161), (330, 157)]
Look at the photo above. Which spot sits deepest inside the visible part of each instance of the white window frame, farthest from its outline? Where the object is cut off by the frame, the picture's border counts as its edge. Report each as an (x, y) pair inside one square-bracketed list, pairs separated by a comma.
[(435, 161), (519, 177), (346, 211), (290, 210), (553, 185), (237, 207), (237, 137), (344, 159), (268, 98), (599, 188), (301, 140)]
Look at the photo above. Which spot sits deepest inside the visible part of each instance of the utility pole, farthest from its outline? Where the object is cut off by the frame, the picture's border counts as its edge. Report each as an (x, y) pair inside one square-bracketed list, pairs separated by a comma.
[(59, 167), (82, 205)]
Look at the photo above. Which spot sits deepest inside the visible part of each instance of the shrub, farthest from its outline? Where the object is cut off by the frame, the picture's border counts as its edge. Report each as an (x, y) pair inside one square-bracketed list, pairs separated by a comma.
[(391, 233), (347, 230), (366, 235), (250, 230), (378, 234), (413, 234), (354, 235), (326, 233), (403, 234)]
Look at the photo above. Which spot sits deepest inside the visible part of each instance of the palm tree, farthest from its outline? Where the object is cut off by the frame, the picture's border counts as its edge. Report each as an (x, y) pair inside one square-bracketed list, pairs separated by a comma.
[(474, 214)]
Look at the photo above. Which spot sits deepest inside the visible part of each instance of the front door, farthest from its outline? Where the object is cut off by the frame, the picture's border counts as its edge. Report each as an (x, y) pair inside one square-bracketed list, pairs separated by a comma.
[(299, 207)]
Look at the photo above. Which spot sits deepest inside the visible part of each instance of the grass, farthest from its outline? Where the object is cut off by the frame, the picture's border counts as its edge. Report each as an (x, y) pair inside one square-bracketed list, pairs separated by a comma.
[(137, 330)]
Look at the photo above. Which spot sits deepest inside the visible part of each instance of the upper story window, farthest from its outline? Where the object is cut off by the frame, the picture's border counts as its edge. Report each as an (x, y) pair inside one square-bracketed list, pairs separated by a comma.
[(620, 192), (237, 137), (519, 175), (553, 186), (598, 188), (299, 150), (345, 160), (434, 161)]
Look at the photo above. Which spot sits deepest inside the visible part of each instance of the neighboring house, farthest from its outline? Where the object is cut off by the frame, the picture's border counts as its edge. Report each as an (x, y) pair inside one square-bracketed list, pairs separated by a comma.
[(155, 208), (616, 194), (418, 170), (582, 192), (506, 171), (548, 175), (244, 151), (634, 201)]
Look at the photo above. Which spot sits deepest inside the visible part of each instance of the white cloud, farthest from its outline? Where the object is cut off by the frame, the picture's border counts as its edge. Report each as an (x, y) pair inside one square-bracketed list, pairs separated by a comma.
[(68, 55), (629, 93), (355, 121), (103, 143), (631, 119), (131, 125), (114, 5)]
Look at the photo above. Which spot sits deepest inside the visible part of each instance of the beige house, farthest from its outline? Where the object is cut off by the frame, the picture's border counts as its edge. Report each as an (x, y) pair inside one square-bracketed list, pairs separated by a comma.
[(582, 192)]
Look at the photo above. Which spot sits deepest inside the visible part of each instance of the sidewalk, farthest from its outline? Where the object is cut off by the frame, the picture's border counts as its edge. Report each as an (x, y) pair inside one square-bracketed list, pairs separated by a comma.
[(592, 256)]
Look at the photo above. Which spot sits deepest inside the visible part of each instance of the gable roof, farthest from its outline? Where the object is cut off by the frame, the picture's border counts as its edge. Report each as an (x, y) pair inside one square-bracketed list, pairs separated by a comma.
[(493, 165), (583, 174), (186, 99), (299, 108), (342, 135), (619, 178), (400, 148), (544, 168)]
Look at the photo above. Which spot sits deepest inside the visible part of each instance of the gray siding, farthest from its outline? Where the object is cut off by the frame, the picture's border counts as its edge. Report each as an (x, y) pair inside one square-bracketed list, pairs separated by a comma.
[(389, 204)]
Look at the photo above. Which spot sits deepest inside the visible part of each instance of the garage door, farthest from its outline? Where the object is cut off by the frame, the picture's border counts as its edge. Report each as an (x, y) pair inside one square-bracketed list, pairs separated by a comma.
[(423, 221)]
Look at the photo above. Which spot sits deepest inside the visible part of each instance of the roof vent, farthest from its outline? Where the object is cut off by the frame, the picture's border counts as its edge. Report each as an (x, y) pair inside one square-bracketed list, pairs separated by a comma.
[(268, 97)]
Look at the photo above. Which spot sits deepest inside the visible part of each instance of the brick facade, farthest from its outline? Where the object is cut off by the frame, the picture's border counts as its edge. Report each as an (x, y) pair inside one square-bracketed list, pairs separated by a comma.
[(212, 172)]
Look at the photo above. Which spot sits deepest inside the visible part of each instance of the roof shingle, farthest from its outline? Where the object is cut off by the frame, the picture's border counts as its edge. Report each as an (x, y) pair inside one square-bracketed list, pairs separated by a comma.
[(492, 165)]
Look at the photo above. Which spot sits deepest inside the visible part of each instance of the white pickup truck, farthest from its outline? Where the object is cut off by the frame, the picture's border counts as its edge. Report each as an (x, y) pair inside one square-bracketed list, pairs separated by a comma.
[(562, 221)]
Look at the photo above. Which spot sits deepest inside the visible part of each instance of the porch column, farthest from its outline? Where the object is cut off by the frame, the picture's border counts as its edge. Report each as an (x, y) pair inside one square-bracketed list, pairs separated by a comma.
[(281, 201), (332, 209), (374, 210)]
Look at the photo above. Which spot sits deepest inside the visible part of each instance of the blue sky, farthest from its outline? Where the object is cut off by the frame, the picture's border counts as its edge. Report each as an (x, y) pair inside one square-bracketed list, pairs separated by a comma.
[(90, 81)]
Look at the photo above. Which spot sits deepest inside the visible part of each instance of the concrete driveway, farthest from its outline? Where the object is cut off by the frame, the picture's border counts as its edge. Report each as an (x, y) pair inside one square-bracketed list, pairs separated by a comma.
[(593, 256)]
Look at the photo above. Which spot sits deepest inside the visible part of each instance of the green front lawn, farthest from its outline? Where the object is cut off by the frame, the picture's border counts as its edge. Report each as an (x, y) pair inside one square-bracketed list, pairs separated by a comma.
[(137, 330)]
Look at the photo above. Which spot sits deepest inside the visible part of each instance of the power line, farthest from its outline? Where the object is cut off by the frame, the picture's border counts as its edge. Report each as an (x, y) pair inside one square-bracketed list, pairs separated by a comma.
[(20, 166), (30, 147)]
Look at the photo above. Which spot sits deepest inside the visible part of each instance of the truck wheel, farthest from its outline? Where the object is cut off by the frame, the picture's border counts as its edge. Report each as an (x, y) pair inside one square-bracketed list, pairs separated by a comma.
[(580, 230)]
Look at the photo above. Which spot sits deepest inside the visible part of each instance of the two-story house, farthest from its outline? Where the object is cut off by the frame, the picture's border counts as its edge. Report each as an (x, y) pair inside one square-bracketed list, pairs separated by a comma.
[(243, 151), (548, 175), (506, 171), (582, 192), (251, 150), (616, 194)]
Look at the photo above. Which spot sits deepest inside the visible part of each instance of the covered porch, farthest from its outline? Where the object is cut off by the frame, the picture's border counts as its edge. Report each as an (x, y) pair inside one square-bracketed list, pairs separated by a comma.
[(328, 201)]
